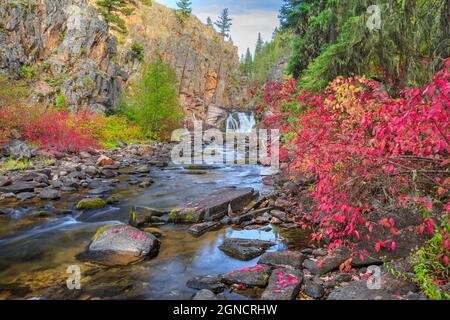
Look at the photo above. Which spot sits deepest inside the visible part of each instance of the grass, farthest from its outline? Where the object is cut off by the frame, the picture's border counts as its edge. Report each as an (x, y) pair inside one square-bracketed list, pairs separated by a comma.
[(12, 164)]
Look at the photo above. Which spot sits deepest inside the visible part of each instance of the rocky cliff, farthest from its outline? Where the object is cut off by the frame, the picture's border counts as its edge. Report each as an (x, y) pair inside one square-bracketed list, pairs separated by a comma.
[(68, 53)]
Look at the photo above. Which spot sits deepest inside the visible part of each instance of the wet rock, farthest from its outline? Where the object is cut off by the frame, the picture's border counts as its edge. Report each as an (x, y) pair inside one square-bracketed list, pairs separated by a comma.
[(193, 172), (143, 216), (100, 191), (120, 245), (360, 291), (324, 265), (113, 200), (214, 206), (205, 294), (18, 150), (91, 171), (284, 284), (211, 283), (91, 204), (49, 194), (5, 181), (313, 289), (257, 276), (104, 161), (146, 183), (23, 196), (200, 167), (20, 186), (244, 249), (249, 216), (292, 259), (280, 215), (200, 228)]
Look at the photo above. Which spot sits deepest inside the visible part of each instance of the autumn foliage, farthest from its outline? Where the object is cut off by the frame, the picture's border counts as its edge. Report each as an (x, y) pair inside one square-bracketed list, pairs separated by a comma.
[(364, 147), (62, 131)]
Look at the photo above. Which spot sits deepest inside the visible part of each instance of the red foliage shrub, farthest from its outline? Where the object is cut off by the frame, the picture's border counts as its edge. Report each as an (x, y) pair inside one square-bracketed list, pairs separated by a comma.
[(61, 131), (361, 144)]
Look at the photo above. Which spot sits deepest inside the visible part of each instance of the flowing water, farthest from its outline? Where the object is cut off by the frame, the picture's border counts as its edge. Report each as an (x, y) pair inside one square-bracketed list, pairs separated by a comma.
[(36, 251), (240, 122)]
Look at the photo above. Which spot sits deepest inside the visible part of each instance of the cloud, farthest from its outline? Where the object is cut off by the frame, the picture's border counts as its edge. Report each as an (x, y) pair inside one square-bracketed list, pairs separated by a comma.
[(246, 26), (249, 18)]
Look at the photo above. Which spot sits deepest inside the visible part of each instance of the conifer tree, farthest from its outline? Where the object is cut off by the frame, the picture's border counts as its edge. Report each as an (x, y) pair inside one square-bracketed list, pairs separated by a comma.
[(110, 9), (224, 23)]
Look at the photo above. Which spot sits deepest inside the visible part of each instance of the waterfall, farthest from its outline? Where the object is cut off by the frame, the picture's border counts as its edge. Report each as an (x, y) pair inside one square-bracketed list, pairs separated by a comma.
[(241, 122)]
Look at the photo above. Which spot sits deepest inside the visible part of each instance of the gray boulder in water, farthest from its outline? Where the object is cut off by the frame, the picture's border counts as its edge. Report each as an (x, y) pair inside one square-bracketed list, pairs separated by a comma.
[(119, 245)]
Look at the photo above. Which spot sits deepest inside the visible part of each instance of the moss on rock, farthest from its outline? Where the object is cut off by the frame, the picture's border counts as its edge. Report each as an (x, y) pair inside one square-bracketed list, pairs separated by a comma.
[(91, 204)]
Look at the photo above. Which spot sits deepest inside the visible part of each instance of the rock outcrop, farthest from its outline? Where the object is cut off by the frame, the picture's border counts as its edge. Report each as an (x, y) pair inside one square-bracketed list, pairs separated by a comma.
[(69, 55), (65, 47), (207, 66)]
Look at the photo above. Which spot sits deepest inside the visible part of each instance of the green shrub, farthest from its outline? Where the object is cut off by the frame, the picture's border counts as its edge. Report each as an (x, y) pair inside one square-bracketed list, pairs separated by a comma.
[(154, 104), (137, 50)]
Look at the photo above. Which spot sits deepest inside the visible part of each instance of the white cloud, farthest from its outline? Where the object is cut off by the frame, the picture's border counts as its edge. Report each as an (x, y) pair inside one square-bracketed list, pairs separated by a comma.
[(246, 26)]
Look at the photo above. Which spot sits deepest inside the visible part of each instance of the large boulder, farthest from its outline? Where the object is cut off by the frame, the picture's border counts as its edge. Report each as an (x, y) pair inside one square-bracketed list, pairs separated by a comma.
[(18, 149), (291, 259), (284, 284), (119, 245), (256, 276), (215, 206), (244, 249), (21, 186)]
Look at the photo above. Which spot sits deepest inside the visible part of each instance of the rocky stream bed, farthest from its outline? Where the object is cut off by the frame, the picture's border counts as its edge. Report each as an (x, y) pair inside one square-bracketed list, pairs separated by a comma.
[(139, 227)]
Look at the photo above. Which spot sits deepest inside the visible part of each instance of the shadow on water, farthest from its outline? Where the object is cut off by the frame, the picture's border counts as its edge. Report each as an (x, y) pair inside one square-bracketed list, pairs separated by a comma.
[(35, 252)]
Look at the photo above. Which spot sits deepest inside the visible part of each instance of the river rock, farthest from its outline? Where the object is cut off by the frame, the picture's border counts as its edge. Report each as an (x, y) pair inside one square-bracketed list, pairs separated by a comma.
[(23, 196), (280, 215), (143, 216), (257, 276), (359, 291), (49, 194), (200, 228), (249, 216), (91, 204), (214, 206), (244, 249), (100, 191), (120, 245), (5, 181), (284, 284), (104, 161), (313, 289), (324, 265), (292, 259), (20, 186), (205, 294), (211, 283)]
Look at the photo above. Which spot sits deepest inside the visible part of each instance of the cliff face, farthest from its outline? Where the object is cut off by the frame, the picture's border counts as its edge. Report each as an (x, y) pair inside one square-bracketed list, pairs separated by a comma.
[(207, 67), (66, 49), (71, 53)]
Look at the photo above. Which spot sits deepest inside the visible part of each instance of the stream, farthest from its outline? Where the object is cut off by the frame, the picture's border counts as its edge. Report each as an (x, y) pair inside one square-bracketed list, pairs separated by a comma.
[(35, 252)]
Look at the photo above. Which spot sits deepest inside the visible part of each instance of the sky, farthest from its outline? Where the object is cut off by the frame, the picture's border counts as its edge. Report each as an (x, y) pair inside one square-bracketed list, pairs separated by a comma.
[(249, 18)]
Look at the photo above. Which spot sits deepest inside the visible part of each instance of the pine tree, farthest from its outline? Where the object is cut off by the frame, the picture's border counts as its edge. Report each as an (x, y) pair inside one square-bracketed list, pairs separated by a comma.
[(209, 22), (155, 105), (110, 9), (184, 8), (224, 23), (259, 44)]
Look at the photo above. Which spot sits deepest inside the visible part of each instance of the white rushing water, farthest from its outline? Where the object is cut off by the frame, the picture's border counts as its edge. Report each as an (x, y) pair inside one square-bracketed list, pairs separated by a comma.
[(240, 122)]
